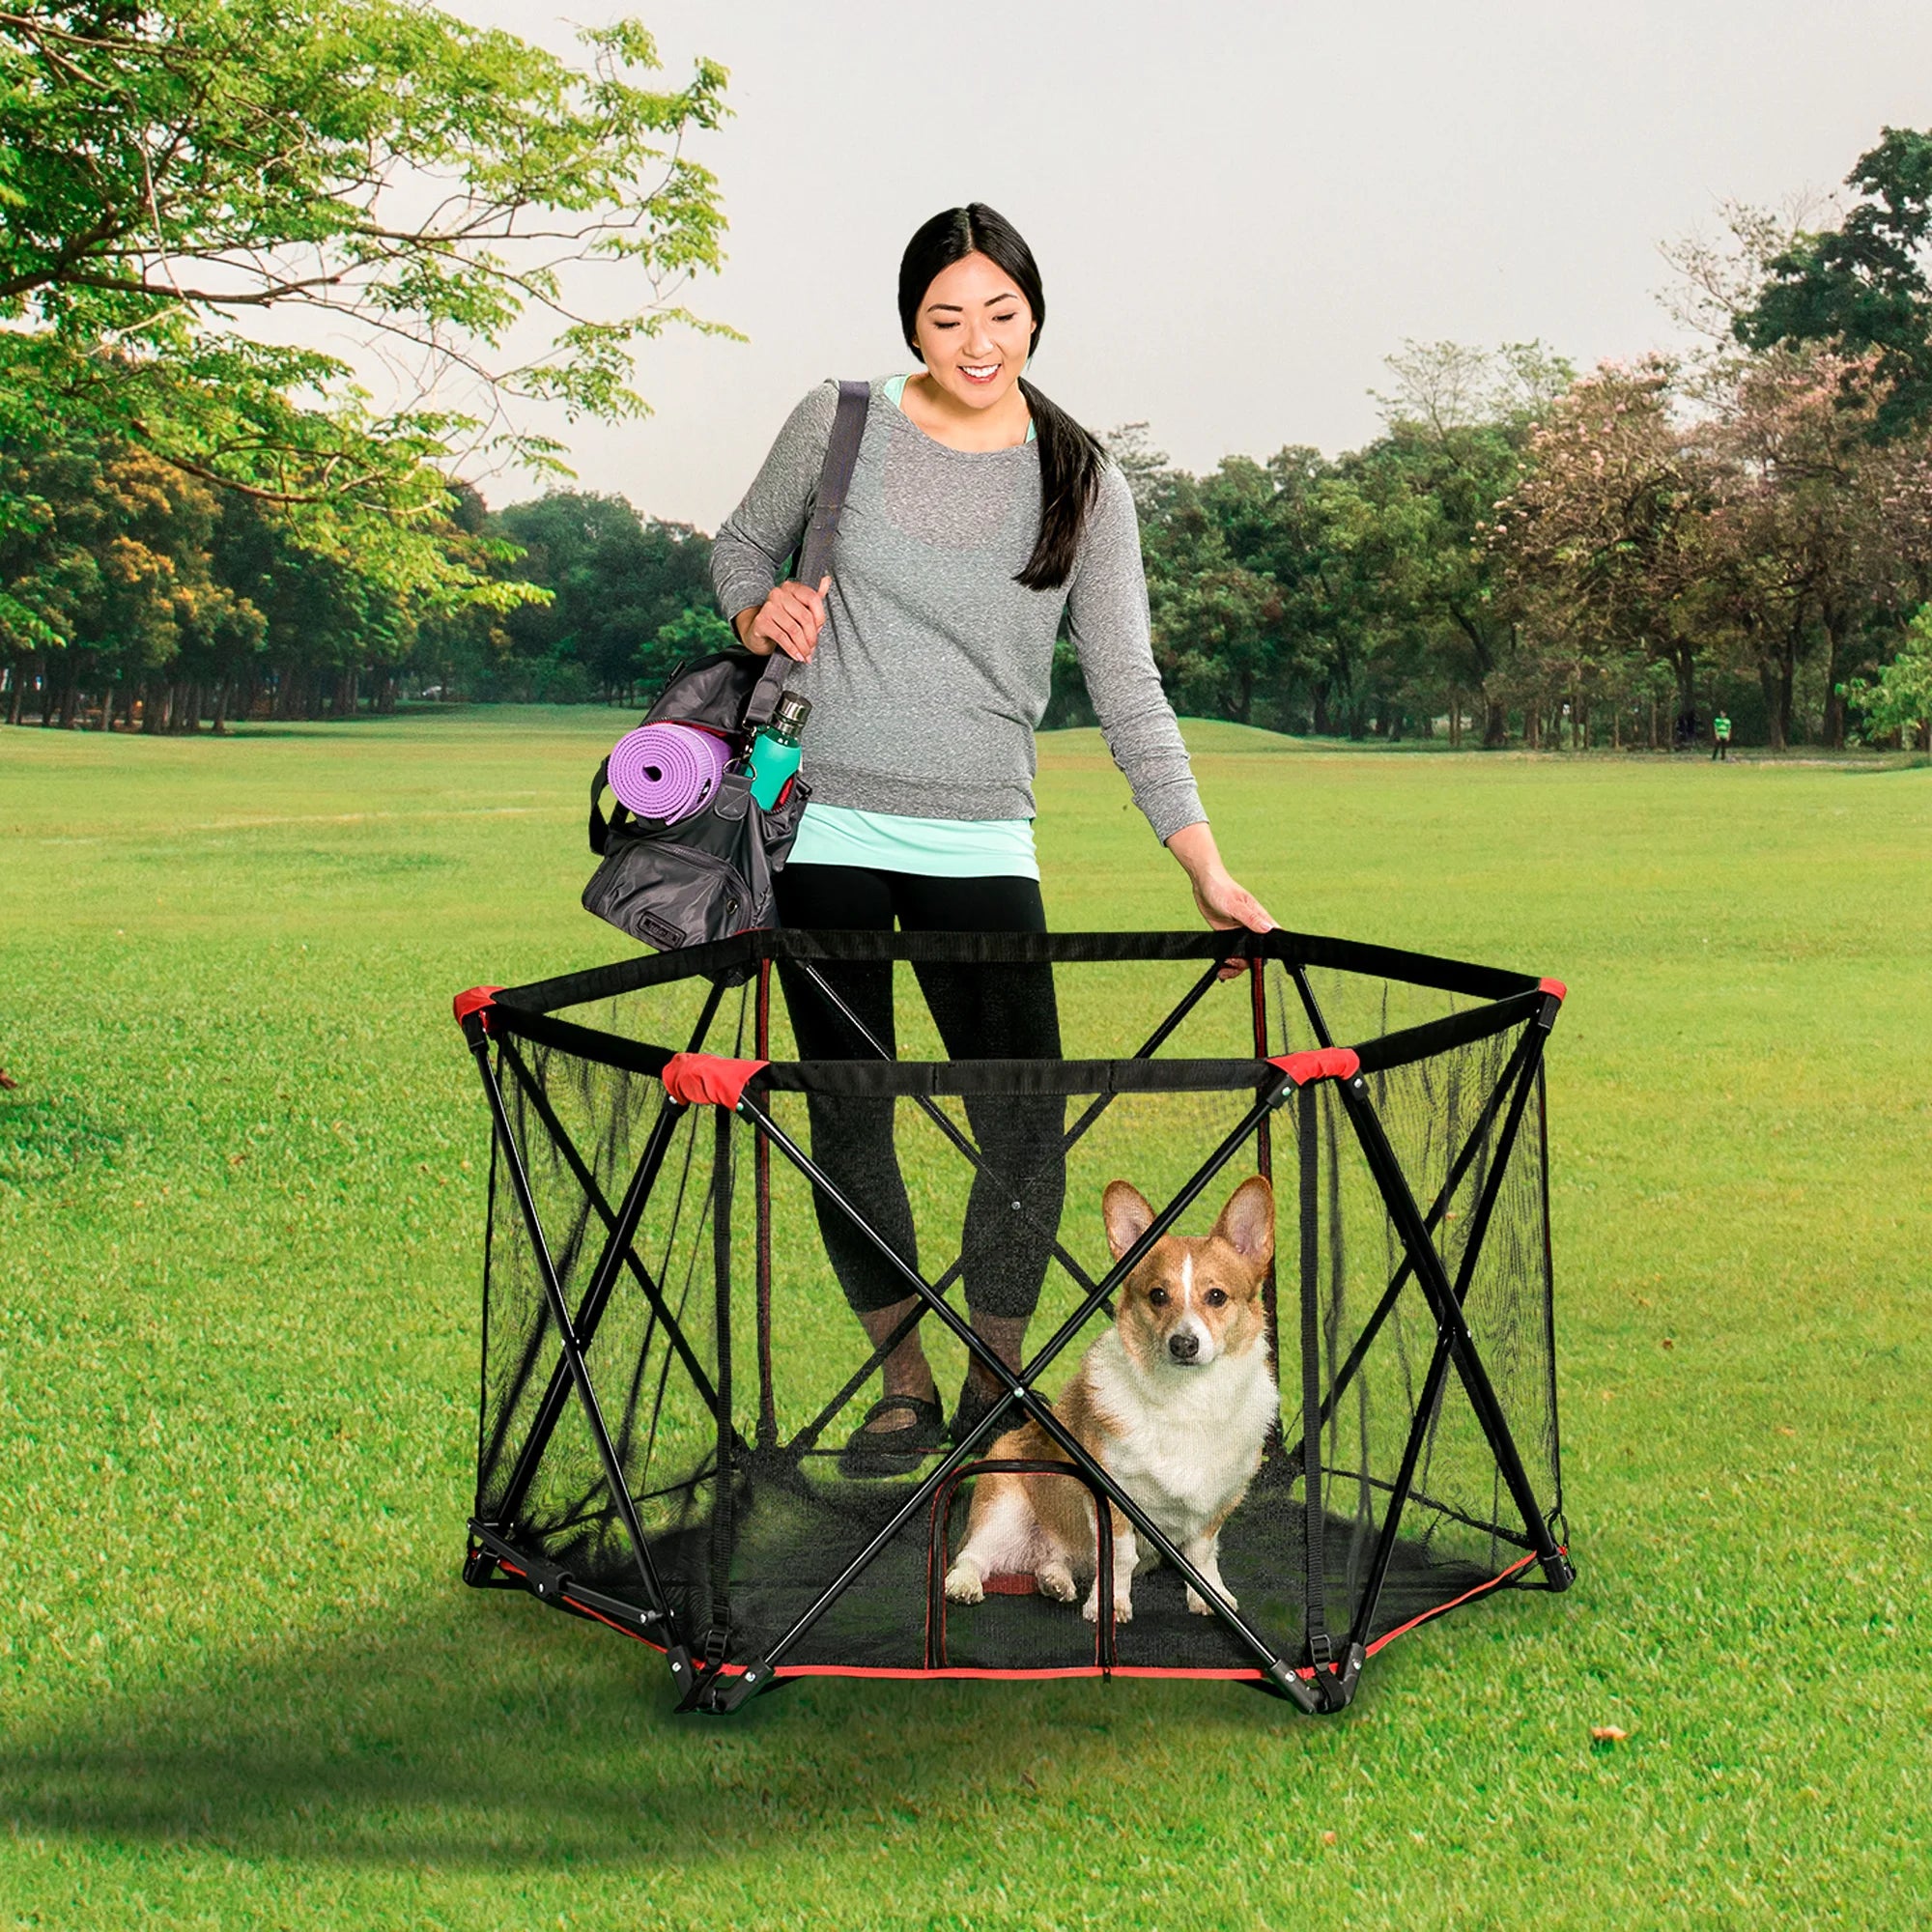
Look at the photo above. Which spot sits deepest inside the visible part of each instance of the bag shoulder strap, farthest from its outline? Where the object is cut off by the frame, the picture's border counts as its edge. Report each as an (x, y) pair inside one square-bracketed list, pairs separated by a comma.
[(601, 828), (835, 478)]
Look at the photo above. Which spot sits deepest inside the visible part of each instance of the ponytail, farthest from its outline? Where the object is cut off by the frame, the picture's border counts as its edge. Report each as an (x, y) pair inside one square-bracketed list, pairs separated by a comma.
[(1070, 459)]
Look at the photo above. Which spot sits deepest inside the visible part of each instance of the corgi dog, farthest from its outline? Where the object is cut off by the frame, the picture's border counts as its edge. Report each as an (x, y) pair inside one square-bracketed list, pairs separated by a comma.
[(1175, 1402)]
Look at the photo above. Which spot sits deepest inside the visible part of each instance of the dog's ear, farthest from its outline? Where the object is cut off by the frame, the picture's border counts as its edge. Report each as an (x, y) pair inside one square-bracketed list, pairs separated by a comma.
[(1126, 1215), (1247, 1223)]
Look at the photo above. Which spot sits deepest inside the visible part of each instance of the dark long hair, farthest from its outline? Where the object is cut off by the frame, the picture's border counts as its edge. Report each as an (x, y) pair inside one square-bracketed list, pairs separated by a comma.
[(1069, 456)]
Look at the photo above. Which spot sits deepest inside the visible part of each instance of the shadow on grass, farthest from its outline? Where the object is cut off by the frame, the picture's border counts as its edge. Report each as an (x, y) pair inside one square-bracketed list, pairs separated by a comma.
[(43, 1140), (490, 1732)]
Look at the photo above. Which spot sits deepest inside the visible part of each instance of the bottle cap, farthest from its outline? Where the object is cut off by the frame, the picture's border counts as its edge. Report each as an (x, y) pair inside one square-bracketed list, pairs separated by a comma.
[(791, 713)]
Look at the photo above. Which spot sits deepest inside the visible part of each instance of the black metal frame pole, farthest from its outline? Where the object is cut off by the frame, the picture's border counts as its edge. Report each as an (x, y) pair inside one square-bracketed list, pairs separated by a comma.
[(1265, 1138), (559, 1310), (1018, 1388), (1314, 1011), (761, 1195), (725, 1507), (590, 1313), (623, 1226), (653, 1290), (1313, 1521), (1435, 1286), (1438, 1366), (591, 1310), (1371, 1327), (1548, 1281)]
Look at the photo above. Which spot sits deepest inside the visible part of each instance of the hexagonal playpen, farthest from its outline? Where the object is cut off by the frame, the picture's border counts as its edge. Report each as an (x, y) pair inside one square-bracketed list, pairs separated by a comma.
[(670, 1366)]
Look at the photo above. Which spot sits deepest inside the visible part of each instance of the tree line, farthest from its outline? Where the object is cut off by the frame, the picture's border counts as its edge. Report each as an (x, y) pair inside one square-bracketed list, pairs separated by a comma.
[(1523, 556), (162, 603), (197, 524), (1540, 556), (1535, 557)]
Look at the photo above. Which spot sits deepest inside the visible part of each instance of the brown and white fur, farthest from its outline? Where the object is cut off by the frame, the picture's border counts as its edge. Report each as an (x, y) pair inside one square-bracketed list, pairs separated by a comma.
[(1175, 1402)]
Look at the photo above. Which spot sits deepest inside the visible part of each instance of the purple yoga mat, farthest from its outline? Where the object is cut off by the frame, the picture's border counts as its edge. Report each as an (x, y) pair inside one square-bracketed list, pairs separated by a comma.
[(666, 771)]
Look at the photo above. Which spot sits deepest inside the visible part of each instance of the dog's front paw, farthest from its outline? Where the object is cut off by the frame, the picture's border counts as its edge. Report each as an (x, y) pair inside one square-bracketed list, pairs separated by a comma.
[(1124, 1609), (1055, 1580), (1202, 1607), (963, 1584)]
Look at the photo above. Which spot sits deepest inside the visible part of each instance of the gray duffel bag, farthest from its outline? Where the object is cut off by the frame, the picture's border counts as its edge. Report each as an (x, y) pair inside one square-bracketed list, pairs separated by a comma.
[(687, 881)]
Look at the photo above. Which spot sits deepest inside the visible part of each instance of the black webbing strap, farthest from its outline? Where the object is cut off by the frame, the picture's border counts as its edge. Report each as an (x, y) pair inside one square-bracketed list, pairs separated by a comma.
[(600, 826), (1006, 1079), (606, 1049), (815, 558), (743, 951)]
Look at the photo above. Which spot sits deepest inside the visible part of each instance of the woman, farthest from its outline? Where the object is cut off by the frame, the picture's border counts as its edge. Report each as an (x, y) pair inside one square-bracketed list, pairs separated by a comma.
[(979, 513)]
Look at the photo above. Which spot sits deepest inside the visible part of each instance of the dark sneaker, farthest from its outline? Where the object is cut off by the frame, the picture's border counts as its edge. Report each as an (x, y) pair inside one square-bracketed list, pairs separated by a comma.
[(895, 1451), (974, 1405)]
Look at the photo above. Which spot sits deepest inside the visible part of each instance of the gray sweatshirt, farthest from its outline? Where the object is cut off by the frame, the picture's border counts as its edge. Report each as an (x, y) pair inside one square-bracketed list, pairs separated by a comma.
[(934, 666)]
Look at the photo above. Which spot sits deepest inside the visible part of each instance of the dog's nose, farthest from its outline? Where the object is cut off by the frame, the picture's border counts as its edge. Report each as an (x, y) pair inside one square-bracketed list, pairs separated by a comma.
[(1184, 1346)]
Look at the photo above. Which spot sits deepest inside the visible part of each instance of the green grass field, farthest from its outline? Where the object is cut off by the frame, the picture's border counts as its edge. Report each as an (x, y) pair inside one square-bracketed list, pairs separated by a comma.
[(240, 1219)]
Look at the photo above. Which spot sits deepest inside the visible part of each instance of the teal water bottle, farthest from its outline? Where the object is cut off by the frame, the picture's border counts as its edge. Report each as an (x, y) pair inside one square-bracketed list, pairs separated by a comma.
[(775, 752)]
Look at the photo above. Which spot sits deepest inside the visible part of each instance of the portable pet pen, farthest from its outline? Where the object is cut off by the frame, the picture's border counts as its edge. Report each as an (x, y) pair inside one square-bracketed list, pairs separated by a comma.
[(670, 1367)]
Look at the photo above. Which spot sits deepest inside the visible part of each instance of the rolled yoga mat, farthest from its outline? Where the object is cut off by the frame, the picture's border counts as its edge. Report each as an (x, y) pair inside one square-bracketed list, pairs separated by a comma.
[(666, 771)]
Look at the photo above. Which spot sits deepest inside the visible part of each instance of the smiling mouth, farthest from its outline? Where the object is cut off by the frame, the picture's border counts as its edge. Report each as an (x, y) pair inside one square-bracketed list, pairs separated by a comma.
[(978, 372)]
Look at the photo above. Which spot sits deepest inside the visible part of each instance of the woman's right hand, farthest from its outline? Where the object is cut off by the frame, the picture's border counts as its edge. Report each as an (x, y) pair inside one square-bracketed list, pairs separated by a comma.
[(788, 620)]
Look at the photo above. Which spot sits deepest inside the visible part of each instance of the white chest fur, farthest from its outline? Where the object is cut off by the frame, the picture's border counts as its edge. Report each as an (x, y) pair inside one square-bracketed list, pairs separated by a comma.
[(1187, 1440)]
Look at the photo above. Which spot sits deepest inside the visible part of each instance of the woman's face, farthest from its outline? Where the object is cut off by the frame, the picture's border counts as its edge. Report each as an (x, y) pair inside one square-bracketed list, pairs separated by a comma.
[(973, 331)]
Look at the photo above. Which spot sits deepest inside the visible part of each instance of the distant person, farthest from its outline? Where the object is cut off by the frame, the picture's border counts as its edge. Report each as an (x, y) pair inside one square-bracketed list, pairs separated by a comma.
[(1720, 738), (978, 514), (1687, 733)]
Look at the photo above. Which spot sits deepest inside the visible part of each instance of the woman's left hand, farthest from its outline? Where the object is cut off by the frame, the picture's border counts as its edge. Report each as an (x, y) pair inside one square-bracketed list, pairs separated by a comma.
[(1223, 903)]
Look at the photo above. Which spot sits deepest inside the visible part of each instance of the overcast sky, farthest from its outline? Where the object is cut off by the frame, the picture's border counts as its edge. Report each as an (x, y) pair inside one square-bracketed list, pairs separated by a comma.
[(1238, 210)]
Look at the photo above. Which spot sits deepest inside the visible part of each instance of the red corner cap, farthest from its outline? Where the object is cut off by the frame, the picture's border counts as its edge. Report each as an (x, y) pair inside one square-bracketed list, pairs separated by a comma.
[(1555, 988), (705, 1079), (478, 1000), (1321, 1063)]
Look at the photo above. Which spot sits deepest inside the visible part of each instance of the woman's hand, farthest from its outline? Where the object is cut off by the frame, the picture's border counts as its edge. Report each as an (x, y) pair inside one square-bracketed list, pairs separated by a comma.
[(788, 620), (1223, 903)]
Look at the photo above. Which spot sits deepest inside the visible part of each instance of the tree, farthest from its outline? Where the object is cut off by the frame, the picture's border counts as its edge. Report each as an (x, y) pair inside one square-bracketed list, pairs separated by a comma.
[(697, 632), (1899, 699), (1355, 594), (171, 173), (1607, 531), (1216, 618), (1805, 524), (1863, 285), (1718, 282), (618, 581), (1460, 420), (111, 583), (326, 622)]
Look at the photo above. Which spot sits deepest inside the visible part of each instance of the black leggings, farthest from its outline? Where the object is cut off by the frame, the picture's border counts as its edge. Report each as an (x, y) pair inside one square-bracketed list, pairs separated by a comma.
[(982, 1012)]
